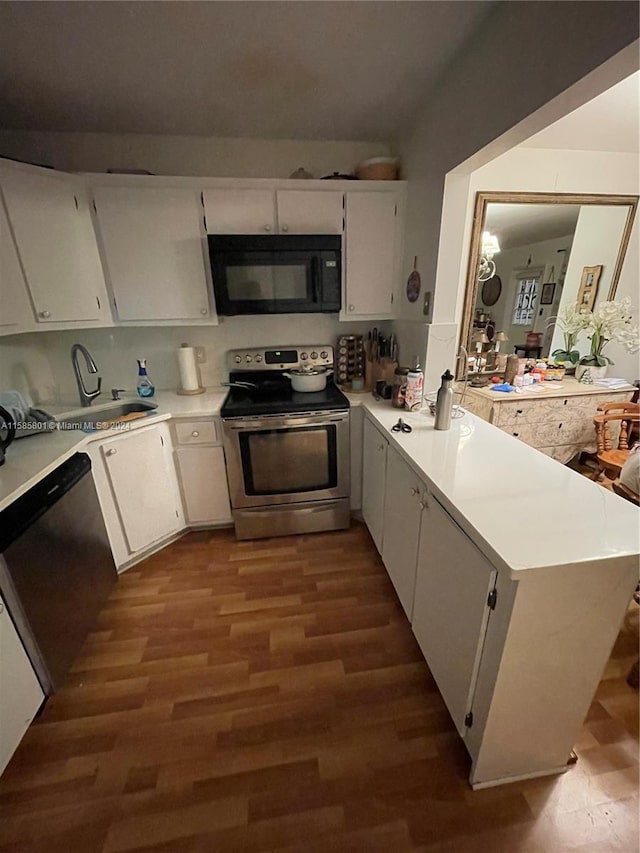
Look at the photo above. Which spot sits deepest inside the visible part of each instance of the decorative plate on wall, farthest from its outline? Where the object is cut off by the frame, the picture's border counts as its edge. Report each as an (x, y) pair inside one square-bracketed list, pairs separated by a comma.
[(413, 283), (491, 290)]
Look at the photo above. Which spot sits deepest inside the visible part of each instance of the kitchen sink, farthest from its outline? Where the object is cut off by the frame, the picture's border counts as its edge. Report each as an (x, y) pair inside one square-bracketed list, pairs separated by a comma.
[(91, 419)]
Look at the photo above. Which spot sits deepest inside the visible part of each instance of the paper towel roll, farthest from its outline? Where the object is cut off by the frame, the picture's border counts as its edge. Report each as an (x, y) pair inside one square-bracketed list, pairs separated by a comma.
[(189, 379)]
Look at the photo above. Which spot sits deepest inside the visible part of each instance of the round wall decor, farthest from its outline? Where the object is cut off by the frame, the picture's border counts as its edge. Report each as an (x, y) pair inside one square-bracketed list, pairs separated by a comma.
[(413, 283), (491, 290)]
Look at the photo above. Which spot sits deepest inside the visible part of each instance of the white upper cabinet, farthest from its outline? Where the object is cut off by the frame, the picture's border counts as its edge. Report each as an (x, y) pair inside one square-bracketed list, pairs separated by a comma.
[(265, 211), (16, 314), (153, 249), (309, 212), (371, 253), (52, 226), (239, 211)]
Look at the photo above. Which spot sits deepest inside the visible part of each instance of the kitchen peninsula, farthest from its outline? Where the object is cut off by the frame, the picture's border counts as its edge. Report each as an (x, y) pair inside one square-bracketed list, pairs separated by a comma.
[(515, 618)]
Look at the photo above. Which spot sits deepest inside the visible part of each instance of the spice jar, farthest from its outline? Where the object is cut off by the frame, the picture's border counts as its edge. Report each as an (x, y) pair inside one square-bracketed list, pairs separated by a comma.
[(399, 389)]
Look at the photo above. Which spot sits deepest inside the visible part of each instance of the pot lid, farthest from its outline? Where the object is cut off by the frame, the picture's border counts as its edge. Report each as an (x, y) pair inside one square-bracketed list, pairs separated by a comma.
[(308, 371)]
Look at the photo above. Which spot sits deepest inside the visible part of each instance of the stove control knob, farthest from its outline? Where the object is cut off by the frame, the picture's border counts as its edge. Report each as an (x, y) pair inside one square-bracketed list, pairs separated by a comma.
[(248, 358), (238, 359), (304, 356), (258, 358), (324, 354), (314, 355)]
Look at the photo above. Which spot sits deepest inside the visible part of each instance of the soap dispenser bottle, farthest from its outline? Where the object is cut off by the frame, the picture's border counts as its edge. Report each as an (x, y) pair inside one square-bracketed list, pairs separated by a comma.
[(444, 401), (145, 386)]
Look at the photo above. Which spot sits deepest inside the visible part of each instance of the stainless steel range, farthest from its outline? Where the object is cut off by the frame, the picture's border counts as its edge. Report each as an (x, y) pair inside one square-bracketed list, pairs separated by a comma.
[(287, 451)]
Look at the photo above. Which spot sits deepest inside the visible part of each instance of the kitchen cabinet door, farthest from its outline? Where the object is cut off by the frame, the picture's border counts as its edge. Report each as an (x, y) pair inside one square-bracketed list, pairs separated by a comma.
[(402, 514), (374, 468), (309, 212), (144, 486), (203, 479), (15, 308), (239, 211), (451, 610), (56, 243), (20, 691), (154, 253), (371, 253)]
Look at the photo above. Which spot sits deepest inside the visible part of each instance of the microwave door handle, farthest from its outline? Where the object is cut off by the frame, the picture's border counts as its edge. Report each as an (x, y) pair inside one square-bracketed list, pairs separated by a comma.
[(314, 279)]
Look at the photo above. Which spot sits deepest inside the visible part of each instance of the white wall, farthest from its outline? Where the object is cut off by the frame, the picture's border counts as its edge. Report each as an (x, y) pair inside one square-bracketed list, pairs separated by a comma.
[(501, 90), (40, 364), (186, 155), (597, 240), (533, 170)]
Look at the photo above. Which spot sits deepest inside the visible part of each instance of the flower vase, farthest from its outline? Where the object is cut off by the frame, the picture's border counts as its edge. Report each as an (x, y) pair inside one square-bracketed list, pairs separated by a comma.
[(594, 372)]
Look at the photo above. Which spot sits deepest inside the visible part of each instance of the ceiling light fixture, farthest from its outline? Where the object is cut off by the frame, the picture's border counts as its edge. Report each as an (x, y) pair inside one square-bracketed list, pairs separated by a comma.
[(489, 248)]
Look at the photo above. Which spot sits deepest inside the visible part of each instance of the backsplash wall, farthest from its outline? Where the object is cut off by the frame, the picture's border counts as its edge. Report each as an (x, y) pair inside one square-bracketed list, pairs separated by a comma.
[(40, 364)]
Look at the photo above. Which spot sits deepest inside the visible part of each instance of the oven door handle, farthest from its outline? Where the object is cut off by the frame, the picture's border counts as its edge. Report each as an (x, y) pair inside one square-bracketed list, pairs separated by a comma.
[(275, 422), (314, 279)]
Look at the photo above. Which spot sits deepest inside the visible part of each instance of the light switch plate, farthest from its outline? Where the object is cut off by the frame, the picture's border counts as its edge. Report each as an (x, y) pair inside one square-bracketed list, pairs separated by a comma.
[(426, 305), (201, 355)]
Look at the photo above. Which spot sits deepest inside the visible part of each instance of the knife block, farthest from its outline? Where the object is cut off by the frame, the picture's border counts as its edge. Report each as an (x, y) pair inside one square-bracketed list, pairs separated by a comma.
[(381, 369)]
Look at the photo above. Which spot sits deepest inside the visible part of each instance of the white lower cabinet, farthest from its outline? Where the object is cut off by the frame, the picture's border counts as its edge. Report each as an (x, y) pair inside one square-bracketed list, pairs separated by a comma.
[(138, 490), (202, 471), (374, 470), (203, 479), (403, 496), (451, 607), (517, 654), (20, 691)]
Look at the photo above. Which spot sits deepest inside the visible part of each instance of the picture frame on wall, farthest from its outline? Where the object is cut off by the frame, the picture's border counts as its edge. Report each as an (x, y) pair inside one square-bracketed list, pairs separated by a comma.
[(548, 292), (588, 289)]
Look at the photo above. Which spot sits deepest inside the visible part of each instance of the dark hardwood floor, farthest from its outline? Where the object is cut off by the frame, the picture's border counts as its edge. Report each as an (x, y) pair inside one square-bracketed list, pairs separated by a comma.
[(269, 696)]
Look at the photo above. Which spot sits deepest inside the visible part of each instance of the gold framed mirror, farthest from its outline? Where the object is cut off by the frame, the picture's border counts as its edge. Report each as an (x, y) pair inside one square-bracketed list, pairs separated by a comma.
[(531, 254)]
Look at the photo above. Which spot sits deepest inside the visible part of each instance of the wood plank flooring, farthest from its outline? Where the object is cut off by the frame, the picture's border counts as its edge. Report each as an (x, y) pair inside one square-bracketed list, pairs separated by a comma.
[(269, 696)]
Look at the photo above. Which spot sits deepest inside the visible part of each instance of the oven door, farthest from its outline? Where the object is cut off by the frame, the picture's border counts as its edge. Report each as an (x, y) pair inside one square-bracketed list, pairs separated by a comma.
[(287, 459)]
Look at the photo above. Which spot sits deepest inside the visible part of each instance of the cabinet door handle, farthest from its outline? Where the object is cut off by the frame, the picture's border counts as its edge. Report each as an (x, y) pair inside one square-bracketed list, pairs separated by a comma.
[(267, 228), (285, 227), (415, 491), (352, 307), (1, 608), (44, 314), (381, 447), (204, 312), (111, 451), (195, 433), (516, 434), (518, 411)]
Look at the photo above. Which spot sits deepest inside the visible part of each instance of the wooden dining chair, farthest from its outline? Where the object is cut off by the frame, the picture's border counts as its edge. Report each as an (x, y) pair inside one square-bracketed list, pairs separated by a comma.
[(610, 458)]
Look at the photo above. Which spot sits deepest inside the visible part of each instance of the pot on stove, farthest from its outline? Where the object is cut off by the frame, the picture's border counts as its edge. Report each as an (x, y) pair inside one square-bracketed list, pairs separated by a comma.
[(307, 379)]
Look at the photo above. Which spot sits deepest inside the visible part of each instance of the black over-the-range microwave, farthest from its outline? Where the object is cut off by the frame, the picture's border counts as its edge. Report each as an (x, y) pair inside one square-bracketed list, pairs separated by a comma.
[(279, 274)]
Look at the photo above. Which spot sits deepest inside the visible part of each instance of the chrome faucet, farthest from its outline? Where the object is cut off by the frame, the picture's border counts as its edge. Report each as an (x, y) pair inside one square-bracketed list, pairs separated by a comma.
[(85, 396)]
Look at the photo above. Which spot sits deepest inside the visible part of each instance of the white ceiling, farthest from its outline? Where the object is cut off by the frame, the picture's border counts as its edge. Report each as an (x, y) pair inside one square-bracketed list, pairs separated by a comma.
[(522, 224), (610, 122), (303, 70)]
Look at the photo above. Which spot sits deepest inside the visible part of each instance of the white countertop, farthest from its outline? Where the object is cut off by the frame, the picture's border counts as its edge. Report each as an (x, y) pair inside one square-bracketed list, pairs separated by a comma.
[(523, 509), (30, 459)]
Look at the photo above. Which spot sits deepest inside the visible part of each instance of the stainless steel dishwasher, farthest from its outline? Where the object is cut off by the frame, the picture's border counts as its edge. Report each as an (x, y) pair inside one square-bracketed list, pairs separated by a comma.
[(56, 568)]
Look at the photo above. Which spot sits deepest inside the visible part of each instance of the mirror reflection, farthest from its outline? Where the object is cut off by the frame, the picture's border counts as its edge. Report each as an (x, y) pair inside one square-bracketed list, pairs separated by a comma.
[(532, 255)]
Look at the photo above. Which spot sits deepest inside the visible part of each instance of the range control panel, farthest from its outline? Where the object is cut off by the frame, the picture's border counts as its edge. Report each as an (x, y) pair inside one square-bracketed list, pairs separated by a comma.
[(272, 358)]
